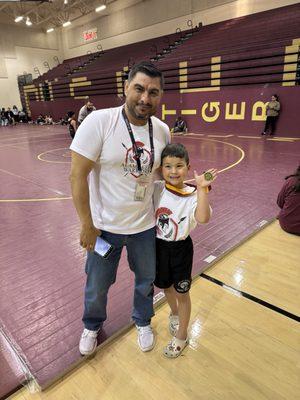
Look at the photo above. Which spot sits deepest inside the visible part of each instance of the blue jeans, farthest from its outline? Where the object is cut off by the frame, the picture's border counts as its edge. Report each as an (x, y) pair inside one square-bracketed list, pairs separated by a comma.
[(101, 274)]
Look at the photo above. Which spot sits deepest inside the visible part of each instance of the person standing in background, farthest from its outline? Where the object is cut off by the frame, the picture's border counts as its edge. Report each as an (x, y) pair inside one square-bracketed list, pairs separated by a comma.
[(72, 123), (272, 111)]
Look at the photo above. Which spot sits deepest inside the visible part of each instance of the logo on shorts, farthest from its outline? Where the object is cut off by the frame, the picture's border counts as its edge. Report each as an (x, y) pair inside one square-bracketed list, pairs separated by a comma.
[(183, 286)]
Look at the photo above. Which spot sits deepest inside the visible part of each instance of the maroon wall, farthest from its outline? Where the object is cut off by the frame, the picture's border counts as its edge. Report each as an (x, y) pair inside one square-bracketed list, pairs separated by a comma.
[(288, 122), (253, 66)]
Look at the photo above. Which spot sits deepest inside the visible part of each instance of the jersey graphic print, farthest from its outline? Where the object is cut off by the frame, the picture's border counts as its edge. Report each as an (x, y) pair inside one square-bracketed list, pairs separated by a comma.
[(130, 164), (166, 226)]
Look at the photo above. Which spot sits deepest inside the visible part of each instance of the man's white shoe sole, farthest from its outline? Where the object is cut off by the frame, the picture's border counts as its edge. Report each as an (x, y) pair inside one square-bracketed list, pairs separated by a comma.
[(88, 353), (147, 348)]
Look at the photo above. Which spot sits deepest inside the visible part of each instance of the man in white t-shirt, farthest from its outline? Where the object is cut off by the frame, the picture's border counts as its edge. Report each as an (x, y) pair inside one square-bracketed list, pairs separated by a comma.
[(85, 111), (119, 148)]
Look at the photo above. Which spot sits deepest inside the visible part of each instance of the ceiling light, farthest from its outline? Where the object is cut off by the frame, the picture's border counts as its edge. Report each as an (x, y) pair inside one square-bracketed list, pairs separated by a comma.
[(28, 22), (18, 19), (66, 24), (50, 30), (100, 8), (65, 1)]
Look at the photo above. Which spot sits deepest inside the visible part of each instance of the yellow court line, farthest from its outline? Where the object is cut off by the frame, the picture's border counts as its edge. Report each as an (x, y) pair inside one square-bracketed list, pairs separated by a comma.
[(220, 136), (285, 137), (194, 134), (281, 140), (33, 200), (68, 198), (229, 144), (39, 157), (250, 137)]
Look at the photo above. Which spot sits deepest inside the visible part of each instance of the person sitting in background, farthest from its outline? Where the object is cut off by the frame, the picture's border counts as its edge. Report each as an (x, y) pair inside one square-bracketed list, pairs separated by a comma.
[(48, 120), (23, 116), (4, 120), (180, 126), (85, 111), (272, 111), (289, 201), (63, 120), (40, 120), (10, 116), (72, 123), (16, 113)]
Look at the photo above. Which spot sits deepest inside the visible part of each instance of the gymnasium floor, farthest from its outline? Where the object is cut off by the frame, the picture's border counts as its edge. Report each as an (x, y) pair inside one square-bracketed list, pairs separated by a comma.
[(41, 269), (240, 349)]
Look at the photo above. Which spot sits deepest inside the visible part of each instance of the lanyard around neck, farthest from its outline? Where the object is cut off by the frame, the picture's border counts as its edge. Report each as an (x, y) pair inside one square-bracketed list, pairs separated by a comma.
[(136, 150)]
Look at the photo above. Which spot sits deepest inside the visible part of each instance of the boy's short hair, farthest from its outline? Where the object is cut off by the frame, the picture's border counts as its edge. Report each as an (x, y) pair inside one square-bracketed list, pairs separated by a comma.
[(148, 69), (175, 150)]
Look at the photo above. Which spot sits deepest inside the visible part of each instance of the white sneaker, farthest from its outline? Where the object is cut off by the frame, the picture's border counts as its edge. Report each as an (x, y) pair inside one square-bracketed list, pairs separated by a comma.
[(173, 324), (145, 337), (88, 342)]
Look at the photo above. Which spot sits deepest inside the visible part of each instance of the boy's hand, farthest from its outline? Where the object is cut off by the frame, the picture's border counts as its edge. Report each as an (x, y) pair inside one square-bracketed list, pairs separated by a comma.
[(200, 179)]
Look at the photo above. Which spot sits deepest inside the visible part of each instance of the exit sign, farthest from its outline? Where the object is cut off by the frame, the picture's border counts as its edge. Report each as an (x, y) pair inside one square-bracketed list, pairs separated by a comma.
[(91, 34)]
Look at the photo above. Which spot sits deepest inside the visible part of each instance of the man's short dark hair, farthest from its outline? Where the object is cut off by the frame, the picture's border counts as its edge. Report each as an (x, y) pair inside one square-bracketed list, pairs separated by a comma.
[(175, 150), (146, 68)]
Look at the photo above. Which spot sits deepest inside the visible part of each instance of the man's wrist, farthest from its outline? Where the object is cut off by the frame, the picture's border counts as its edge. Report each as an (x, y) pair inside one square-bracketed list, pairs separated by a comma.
[(87, 224)]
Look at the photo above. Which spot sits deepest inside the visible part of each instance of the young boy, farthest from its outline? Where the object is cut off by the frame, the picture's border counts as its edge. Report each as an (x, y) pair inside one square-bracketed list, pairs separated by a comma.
[(178, 209)]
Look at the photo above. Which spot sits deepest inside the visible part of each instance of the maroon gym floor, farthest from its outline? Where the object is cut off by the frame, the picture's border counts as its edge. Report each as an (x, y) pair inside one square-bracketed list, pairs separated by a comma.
[(42, 265)]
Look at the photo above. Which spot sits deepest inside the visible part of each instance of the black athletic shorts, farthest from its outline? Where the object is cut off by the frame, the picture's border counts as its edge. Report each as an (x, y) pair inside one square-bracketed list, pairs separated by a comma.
[(174, 261)]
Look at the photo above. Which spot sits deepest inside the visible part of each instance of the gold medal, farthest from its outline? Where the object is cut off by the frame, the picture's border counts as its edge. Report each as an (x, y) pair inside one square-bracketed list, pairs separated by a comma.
[(208, 176)]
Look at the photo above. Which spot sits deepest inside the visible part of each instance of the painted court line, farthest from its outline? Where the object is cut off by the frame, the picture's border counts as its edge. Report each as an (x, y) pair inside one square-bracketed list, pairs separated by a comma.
[(248, 296)]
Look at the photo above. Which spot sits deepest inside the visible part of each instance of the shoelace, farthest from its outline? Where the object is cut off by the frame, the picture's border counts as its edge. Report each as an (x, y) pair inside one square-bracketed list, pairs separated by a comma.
[(144, 329), (87, 332)]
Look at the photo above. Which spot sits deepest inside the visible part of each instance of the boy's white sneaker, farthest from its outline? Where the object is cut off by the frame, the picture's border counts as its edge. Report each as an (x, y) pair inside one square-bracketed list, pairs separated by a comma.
[(145, 337), (88, 342)]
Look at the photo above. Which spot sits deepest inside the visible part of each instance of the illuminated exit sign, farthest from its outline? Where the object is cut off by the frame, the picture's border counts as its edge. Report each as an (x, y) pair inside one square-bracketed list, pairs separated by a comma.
[(91, 34)]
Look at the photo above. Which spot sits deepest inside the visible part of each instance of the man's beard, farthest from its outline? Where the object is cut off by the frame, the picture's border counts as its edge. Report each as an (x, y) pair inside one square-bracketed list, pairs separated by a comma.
[(143, 117)]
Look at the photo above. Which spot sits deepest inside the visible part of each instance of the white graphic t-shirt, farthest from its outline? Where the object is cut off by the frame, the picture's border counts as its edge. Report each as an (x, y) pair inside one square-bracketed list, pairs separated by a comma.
[(103, 138), (174, 211)]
